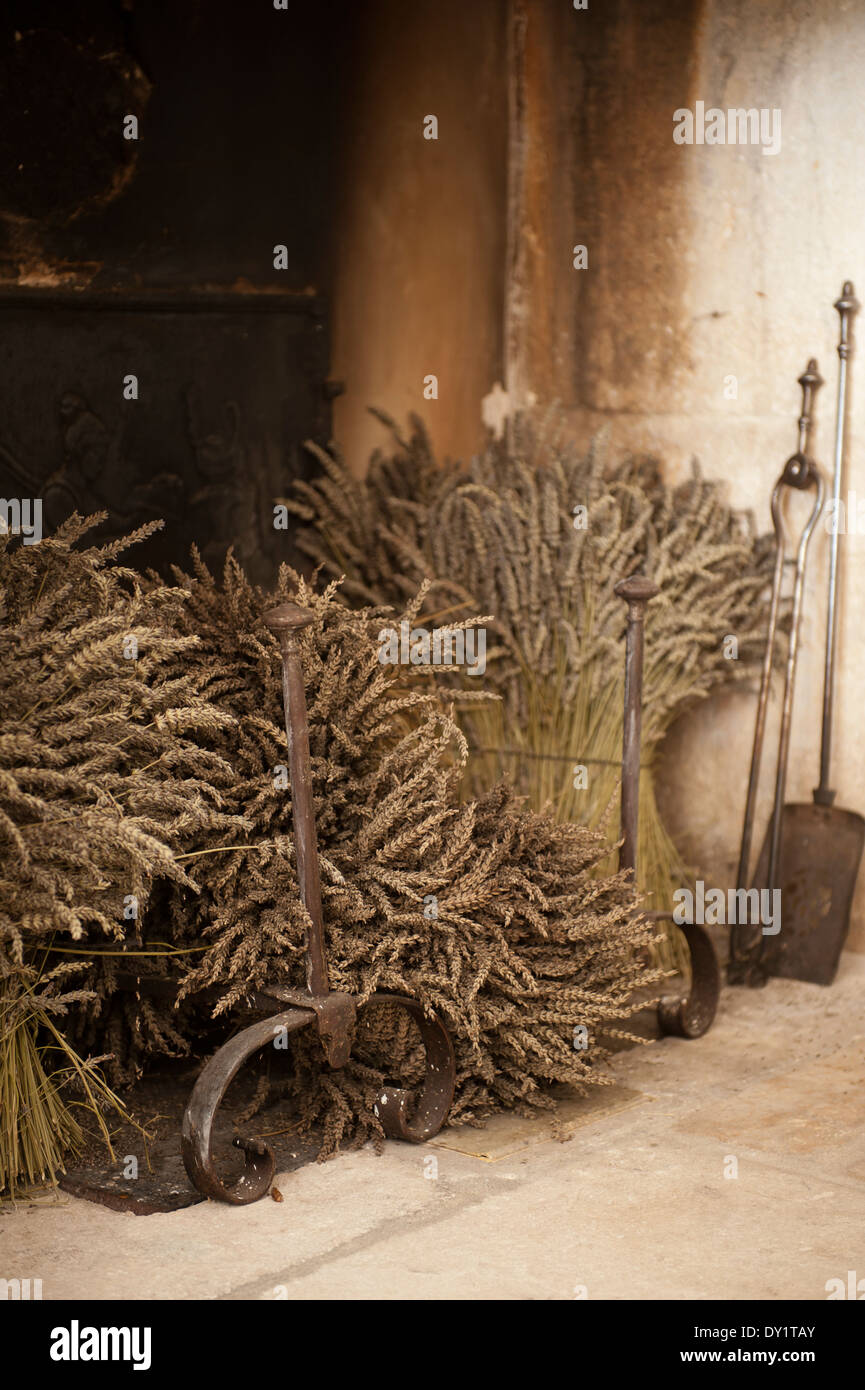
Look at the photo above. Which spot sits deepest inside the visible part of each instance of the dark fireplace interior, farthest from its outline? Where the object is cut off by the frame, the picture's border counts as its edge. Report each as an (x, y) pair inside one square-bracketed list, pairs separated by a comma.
[(160, 358)]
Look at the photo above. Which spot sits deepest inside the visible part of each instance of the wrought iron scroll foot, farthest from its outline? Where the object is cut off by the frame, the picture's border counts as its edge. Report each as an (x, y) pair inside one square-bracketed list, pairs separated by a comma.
[(404, 1114), (207, 1096), (693, 1014)]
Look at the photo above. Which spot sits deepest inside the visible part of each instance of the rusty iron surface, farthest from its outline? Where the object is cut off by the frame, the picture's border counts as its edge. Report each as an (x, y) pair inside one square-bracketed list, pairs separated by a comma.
[(335, 1017), (820, 853), (404, 1114), (692, 1015), (145, 1174), (636, 591), (286, 623), (217, 1074), (149, 1197), (747, 963), (847, 307)]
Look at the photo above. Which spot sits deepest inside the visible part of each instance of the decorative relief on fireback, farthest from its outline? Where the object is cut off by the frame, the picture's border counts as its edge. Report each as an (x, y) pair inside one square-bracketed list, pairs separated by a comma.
[(223, 506), (208, 450), (94, 476)]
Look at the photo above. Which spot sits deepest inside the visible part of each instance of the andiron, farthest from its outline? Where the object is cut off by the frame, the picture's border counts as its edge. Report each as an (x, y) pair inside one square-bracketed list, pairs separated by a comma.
[(403, 1114), (691, 1015)]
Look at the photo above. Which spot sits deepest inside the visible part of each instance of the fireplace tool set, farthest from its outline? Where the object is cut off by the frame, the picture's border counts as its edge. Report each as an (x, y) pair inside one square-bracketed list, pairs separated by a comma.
[(811, 855)]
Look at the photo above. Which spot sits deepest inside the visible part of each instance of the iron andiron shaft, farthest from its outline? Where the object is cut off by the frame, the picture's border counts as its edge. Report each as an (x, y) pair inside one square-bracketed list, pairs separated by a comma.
[(691, 1015), (403, 1114)]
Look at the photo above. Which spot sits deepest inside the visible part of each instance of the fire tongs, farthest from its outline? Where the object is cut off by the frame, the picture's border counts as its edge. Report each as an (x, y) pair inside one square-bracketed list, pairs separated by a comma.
[(403, 1114), (747, 965)]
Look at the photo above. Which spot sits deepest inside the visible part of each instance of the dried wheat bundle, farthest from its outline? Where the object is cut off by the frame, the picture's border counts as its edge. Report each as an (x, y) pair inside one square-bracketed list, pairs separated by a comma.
[(506, 535), (143, 745), (102, 777), (483, 910)]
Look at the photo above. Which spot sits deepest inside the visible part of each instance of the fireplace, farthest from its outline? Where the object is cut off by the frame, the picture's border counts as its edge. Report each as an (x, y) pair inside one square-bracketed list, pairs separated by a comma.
[(165, 267)]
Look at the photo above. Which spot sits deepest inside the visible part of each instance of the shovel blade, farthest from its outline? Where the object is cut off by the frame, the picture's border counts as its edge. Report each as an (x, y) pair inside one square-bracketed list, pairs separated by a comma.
[(821, 847)]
